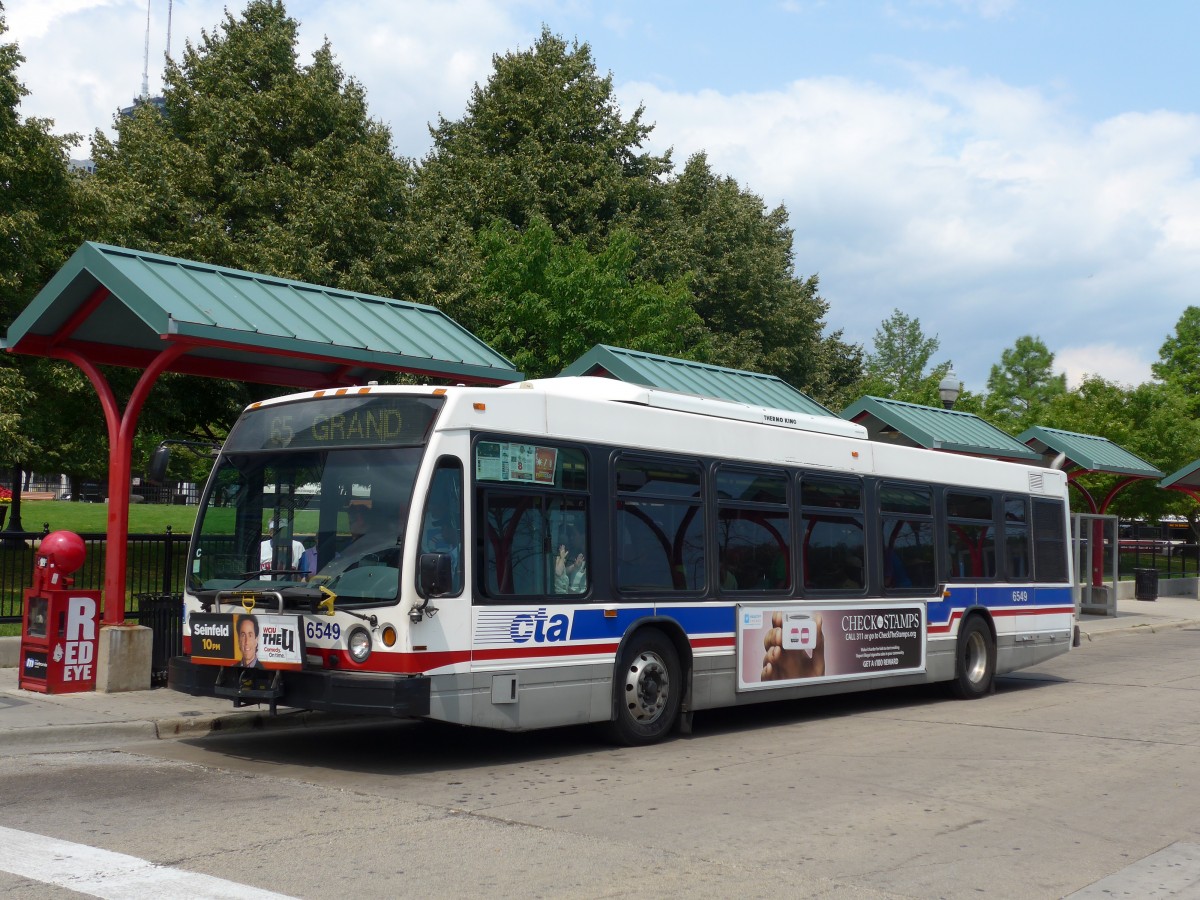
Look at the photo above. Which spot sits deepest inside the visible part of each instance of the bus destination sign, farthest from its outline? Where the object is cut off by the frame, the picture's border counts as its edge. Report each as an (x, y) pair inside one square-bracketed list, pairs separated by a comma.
[(336, 422)]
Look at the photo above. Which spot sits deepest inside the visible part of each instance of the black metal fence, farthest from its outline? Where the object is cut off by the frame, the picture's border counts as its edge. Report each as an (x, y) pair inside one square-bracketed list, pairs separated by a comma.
[(154, 567), (1167, 548), (154, 583), (1171, 561)]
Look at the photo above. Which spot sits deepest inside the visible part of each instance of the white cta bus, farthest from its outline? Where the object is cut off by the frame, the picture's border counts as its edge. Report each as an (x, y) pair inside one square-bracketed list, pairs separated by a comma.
[(583, 550)]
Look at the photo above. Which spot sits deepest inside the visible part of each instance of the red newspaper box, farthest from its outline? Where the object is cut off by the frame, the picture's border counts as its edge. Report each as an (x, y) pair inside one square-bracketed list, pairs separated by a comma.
[(60, 625)]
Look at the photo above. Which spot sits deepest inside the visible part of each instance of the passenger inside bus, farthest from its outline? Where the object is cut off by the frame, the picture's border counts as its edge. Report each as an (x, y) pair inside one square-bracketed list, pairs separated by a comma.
[(570, 563), (373, 541)]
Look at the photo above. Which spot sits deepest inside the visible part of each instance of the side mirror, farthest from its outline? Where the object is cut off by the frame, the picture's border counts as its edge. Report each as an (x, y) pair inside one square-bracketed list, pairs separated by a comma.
[(435, 574), (157, 471)]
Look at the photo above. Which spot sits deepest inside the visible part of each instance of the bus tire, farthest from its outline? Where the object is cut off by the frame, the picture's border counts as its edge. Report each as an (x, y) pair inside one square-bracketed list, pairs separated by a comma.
[(647, 689), (974, 660)]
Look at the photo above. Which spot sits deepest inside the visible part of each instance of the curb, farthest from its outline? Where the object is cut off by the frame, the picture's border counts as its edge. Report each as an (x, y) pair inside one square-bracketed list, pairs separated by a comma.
[(72, 737), (1147, 627), (177, 727)]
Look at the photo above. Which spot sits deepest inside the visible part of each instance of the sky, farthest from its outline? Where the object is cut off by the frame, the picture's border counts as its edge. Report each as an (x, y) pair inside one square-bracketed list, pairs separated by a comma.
[(994, 168)]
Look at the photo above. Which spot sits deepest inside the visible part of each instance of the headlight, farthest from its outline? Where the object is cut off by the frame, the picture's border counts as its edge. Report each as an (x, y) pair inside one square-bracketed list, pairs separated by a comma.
[(359, 645)]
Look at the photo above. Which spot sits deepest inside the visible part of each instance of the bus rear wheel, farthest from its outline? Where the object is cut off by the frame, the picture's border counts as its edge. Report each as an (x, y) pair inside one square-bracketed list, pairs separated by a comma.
[(647, 689), (974, 660)]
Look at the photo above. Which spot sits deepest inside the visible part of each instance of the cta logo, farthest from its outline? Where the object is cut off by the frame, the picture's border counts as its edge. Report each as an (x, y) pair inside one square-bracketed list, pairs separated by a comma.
[(539, 627)]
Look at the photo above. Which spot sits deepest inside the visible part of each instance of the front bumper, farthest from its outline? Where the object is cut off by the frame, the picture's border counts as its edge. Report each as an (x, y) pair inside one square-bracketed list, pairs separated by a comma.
[(326, 690)]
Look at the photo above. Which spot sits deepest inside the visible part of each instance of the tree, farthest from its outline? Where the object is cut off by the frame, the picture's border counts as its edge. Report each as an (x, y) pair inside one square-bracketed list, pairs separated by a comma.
[(544, 139), (1150, 420), (37, 209), (1021, 385), (544, 303), (260, 163), (900, 368), (738, 258), (1179, 357), (256, 162)]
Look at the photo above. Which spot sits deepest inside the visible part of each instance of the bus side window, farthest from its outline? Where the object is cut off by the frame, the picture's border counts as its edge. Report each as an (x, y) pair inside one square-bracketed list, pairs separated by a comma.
[(753, 529), (834, 537), (970, 534), (441, 526), (532, 509), (659, 507), (907, 537), (1016, 539)]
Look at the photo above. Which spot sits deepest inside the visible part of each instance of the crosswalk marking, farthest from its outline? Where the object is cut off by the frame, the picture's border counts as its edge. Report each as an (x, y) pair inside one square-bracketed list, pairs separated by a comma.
[(113, 876)]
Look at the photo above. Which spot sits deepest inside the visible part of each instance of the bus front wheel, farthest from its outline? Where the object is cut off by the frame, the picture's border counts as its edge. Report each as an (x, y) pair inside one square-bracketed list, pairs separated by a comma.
[(647, 689), (975, 660)]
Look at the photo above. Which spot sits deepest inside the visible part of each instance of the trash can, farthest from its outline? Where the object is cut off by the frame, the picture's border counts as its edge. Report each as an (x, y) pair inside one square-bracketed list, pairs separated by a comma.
[(1145, 584)]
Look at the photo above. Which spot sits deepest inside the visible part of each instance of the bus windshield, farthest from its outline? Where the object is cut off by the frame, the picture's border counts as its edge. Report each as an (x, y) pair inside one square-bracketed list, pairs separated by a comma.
[(304, 496)]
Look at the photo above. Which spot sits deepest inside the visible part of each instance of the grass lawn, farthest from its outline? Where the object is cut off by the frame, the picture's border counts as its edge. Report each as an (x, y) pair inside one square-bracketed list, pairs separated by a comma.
[(89, 518)]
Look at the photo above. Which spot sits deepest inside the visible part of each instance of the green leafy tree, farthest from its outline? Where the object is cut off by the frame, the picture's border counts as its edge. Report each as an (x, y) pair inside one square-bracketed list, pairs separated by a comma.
[(1021, 385), (900, 367), (37, 212), (1179, 358), (543, 139), (544, 303), (738, 258), (260, 163)]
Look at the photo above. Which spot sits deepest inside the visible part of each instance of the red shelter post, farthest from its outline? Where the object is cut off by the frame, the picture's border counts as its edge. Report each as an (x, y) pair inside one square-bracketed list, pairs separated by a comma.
[(121, 428)]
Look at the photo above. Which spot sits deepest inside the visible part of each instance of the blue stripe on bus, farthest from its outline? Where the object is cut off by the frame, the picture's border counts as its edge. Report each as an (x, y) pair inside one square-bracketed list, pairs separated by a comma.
[(996, 597), (594, 625), (702, 619)]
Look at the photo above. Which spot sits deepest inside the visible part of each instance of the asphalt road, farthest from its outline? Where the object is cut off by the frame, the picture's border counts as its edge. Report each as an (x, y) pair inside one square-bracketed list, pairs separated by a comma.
[(1081, 770)]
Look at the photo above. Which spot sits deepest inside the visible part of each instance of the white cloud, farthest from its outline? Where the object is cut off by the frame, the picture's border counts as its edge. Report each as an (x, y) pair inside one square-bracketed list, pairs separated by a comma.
[(986, 210), (415, 58), (1111, 361), (982, 209), (34, 18)]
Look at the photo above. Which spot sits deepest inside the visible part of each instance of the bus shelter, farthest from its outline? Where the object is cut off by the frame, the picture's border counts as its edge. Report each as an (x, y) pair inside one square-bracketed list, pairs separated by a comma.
[(1185, 480), (1081, 455), (947, 430), (688, 377), (112, 306)]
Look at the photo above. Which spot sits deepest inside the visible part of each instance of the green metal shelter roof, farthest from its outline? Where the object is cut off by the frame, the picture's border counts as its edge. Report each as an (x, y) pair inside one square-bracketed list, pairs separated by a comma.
[(1188, 477), (115, 306), (686, 377), (1087, 452), (935, 429)]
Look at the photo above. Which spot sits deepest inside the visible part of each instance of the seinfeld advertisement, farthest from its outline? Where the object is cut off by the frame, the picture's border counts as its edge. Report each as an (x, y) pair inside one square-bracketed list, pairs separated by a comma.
[(252, 642), (788, 645)]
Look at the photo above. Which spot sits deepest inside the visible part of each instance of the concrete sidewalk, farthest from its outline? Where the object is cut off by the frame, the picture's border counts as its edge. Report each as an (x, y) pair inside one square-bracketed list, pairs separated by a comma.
[(71, 721), (1149, 615), (89, 718)]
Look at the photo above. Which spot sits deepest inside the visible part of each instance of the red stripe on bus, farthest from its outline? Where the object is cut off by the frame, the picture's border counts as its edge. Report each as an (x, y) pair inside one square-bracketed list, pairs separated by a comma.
[(1040, 611), (542, 652), (702, 643)]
